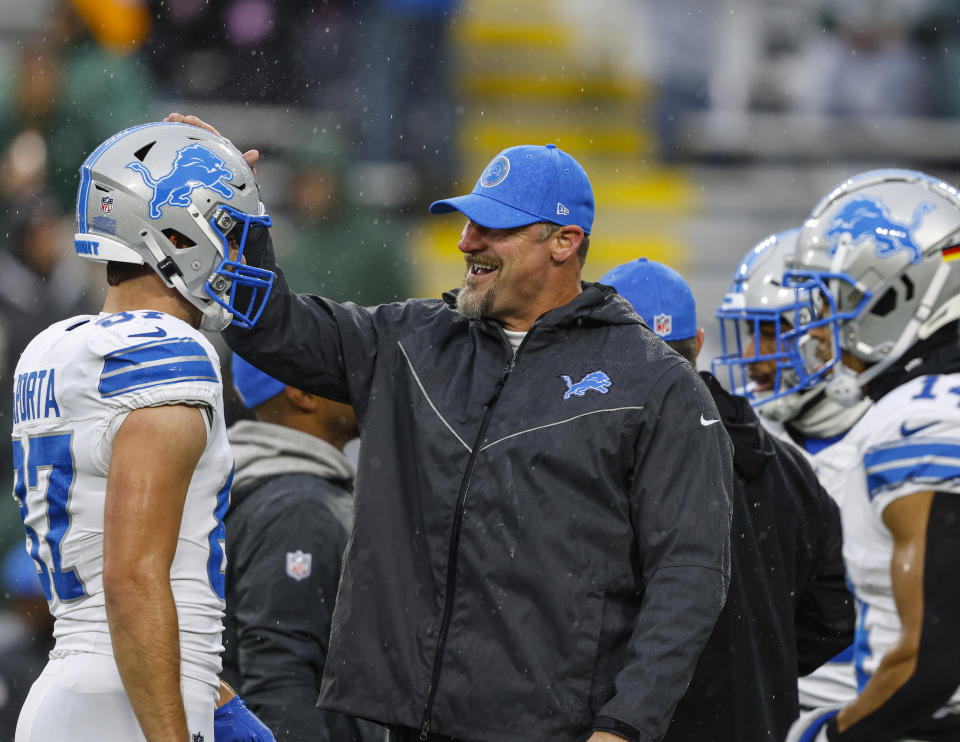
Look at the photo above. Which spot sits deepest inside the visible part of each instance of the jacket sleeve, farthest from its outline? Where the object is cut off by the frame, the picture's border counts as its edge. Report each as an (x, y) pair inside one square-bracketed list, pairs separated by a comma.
[(825, 614), (681, 490), (283, 621), (306, 341)]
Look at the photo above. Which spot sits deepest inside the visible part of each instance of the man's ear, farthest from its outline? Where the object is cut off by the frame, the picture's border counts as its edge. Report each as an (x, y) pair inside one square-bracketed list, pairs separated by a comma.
[(302, 400), (701, 335), (565, 242)]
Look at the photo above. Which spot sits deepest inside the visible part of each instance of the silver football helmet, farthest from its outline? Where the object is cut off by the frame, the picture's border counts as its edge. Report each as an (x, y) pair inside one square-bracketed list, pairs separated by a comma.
[(756, 311), (151, 181), (877, 251)]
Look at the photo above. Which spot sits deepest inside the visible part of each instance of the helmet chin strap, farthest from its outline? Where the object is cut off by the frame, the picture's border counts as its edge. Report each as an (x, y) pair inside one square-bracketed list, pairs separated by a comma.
[(824, 417), (214, 317), (845, 386)]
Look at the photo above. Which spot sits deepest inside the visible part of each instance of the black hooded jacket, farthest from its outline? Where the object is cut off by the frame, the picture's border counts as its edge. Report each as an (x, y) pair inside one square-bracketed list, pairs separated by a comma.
[(541, 544), (788, 609), (291, 510)]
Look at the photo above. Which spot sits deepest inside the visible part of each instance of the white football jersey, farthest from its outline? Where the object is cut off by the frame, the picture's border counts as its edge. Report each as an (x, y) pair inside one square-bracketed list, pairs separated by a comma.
[(908, 442), (834, 683), (74, 385)]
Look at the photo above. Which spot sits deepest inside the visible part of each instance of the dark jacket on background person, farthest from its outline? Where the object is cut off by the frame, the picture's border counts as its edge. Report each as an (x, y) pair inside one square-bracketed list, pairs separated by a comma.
[(788, 609), (291, 510), (542, 539)]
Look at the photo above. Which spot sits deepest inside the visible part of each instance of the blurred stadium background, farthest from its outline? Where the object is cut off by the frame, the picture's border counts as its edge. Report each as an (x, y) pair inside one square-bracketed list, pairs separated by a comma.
[(704, 124)]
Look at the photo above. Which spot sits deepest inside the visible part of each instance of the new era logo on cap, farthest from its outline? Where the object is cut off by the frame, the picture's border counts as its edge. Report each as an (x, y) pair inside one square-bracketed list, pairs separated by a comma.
[(527, 184)]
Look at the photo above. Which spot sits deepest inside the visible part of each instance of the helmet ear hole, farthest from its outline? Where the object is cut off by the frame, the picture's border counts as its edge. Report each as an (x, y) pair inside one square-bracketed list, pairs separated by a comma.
[(141, 154), (886, 304), (181, 242), (908, 285)]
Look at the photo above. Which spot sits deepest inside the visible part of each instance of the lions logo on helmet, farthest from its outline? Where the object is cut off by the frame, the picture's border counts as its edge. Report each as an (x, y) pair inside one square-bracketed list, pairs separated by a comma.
[(194, 167), (206, 194), (867, 218)]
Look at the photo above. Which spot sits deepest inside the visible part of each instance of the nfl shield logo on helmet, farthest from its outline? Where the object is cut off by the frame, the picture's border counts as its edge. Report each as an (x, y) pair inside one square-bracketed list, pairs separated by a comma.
[(663, 324), (106, 204), (299, 564)]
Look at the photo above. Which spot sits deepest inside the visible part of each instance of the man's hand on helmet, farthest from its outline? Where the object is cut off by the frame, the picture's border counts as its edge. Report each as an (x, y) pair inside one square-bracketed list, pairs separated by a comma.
[(251, 156)]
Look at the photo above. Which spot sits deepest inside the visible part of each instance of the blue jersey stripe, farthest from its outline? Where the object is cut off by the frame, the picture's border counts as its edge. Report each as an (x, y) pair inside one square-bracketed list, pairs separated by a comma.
[(861, 648), (171, 372), (890, 454), (919, 472), (846, 656), (159, 383), (161, 350)]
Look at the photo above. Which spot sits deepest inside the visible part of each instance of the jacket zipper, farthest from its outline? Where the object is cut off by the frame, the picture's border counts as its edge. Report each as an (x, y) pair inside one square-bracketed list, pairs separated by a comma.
[(455, 543)]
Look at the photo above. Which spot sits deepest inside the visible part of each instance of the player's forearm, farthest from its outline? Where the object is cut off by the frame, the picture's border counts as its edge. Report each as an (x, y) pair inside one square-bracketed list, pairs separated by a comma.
[(922, 671), (892, 674), (146, 645)]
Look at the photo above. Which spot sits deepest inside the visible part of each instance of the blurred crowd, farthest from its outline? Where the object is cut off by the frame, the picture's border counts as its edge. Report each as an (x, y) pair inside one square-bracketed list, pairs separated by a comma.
[(837, 58)]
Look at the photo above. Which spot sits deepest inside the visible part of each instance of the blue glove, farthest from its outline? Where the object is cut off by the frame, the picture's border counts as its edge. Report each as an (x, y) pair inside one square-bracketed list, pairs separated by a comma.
[(811, 726), (234, 722)]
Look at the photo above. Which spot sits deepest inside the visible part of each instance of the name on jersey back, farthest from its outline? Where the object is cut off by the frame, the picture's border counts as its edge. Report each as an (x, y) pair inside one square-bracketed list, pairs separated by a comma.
[(35, 396)]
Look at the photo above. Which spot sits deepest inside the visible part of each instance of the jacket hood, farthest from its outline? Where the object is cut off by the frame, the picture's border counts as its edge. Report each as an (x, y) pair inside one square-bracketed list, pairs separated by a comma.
[(753, 446), (265, 450), (596, 304)]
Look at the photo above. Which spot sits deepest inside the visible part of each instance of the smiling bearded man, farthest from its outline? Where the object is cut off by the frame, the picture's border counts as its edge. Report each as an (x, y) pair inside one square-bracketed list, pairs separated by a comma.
[(541, 544)]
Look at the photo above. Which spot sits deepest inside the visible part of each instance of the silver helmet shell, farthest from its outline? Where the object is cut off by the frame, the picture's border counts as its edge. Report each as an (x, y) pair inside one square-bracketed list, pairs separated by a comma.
[(757, 305), (878, 249), (150, 181)]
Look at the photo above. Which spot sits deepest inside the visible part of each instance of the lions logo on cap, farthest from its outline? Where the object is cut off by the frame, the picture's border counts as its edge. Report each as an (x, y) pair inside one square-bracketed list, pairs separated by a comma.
[(496, 172)]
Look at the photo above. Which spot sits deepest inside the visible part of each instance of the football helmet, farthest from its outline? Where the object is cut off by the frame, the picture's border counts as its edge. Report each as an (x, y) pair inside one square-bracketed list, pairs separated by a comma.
[(878, 253), (151, 181), (756, 310)]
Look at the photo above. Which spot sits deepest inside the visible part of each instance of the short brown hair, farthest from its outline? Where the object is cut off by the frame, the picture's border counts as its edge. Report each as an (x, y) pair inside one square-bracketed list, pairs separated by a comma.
[(686, 347), (118, 272), (548, 229)]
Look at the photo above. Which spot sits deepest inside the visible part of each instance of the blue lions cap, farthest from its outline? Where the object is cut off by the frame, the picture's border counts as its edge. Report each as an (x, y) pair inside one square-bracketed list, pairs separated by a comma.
[(253, 386), (659, 295), (527, 184)]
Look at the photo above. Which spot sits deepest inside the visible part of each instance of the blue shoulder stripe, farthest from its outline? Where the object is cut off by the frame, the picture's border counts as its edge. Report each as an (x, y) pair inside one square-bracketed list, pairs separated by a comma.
[(166, 361), (920, 463)]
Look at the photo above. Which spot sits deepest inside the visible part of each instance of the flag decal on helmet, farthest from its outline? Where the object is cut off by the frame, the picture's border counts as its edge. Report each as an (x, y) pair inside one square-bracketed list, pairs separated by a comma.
[(951, 253)]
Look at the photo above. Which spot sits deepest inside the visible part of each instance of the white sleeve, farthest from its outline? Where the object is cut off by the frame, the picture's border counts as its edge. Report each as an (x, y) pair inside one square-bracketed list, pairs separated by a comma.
[(912, 445), (150, 363)]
